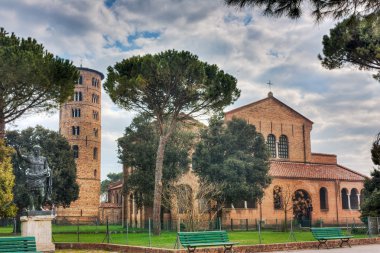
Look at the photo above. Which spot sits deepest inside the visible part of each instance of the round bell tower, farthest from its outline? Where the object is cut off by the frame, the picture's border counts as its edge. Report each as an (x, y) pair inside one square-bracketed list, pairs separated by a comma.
[(80, 123)]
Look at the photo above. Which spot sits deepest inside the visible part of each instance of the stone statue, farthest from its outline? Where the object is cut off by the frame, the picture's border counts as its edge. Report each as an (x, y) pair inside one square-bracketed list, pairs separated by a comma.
[(38, 178)]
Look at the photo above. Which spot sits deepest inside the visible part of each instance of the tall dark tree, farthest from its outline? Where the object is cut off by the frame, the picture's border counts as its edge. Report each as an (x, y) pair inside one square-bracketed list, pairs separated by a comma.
[(235, 157), (170, 87), (31, 78), (111, 178), (137, 149), (354, 42), (320, 8), (60, 158), (371, 204)]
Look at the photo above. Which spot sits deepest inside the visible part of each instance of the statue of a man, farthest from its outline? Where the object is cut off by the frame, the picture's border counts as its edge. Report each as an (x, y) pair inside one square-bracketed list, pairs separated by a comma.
[(38, 178)]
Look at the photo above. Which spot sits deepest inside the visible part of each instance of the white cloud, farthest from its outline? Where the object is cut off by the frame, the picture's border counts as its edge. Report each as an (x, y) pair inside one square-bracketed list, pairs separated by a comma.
[(342, 103)]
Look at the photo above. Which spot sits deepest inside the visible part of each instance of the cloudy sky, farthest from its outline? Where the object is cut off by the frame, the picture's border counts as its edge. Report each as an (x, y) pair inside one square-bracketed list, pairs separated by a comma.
[(343, 104)]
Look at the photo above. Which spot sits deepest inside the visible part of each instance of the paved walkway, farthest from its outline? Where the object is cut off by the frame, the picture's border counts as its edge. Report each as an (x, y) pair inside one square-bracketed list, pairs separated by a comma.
[(373, 248)]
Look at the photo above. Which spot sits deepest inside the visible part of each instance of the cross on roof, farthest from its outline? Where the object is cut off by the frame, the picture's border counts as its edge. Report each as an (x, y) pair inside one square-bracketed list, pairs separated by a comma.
[(270, 85)]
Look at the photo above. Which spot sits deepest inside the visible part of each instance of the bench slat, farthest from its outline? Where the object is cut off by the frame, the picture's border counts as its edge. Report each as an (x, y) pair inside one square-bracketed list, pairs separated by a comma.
[(18, 244), (204, 239)]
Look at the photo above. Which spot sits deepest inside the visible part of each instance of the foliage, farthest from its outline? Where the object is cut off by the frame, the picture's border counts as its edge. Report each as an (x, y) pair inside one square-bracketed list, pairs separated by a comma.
[(32, 79), (193, 202), (60, 158), (320, 8), (371, 205), (284, 199), (137, 150), (354, 41), (170, 86), (111, 178), (7, 208), (234, 157), (375, 151)]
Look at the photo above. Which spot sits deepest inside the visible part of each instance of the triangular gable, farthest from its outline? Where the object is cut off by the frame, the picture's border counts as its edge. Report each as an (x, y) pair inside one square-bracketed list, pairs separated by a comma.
[(270, 97)]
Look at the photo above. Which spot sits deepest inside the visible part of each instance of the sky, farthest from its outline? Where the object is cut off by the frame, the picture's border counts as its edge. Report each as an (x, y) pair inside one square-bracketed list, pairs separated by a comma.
[(343, 103)]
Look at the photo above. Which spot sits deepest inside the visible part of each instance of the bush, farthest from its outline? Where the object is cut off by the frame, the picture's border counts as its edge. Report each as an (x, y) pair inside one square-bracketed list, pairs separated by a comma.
[(359, 231)]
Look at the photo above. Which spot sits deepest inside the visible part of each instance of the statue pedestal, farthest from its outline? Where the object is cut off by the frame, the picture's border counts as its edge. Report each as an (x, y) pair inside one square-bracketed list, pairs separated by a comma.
[(39, 226)]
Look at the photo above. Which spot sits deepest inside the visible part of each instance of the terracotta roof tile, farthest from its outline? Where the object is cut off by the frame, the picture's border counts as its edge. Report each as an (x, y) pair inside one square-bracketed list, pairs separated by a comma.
[(315, 171), (115, 185)]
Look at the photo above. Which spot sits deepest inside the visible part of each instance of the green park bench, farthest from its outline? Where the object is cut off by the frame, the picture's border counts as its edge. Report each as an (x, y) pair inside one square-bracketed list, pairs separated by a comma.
[(18, 244), (325, 234), (192, 240)]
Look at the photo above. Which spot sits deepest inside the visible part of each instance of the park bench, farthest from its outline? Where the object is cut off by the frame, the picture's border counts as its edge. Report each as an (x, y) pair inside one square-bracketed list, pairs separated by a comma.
[(192, 240), (325, 234), (18, 244)]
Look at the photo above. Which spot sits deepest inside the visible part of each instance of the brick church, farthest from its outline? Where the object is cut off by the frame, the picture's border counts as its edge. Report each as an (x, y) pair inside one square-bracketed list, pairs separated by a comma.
[(327, 191), (331, 191)]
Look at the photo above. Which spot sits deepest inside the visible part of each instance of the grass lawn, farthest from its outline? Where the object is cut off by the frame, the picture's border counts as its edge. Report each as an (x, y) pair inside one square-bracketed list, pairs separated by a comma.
[(85, 228), (168, 239)]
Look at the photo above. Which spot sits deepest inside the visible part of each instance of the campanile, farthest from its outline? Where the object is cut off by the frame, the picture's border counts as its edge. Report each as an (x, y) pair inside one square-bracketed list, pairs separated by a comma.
[(80, 123)]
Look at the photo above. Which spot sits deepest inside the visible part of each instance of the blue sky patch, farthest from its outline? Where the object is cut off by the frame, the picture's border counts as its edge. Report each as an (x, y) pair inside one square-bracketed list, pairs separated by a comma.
[(131, 40), (109, 3)]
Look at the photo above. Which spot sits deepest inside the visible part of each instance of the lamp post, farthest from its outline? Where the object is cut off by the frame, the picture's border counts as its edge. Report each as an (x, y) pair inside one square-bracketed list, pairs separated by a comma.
[(309, 210)]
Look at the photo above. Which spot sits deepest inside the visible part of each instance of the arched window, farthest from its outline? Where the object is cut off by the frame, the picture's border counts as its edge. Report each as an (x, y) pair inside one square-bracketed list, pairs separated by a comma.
[(344, 195), (80, 81), (271, 142), (95, 115), (354, 201), (283, 147), (95, 173), (323, 199), (277, 197), (95, 98), (95, 132), (95, 155), (75, 130), (78, 96), (75, 112), (76, 151)]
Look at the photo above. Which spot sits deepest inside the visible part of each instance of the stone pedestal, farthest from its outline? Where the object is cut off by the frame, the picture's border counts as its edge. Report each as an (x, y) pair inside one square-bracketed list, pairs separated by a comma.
[(39, 226)]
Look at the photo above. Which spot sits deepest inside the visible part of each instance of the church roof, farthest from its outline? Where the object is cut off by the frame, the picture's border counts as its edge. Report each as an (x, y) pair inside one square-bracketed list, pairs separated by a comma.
[(270, 96), (313, 171), (115, 185)]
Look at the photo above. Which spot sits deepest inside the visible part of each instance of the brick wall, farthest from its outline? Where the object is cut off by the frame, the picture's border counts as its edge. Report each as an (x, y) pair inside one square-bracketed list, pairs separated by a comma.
[(323, 158), (88, 163), (270, 116)]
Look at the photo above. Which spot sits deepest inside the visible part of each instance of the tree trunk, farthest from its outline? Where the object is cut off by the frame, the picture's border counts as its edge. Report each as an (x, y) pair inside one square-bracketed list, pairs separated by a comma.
[(158, 185), (2, 121), (286, 220)]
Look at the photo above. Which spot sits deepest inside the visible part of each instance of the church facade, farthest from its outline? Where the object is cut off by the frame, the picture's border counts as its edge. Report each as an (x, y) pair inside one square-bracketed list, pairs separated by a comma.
[(328, 191)]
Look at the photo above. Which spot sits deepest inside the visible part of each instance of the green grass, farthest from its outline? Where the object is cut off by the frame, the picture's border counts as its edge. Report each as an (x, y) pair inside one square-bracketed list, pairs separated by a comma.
[(6, 230), (85, 228), (96, 234), (168, 239)]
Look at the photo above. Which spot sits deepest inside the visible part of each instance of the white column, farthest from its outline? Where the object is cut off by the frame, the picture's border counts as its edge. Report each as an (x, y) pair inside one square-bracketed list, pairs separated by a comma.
[(349, 201), (358, 201), (277, 149)]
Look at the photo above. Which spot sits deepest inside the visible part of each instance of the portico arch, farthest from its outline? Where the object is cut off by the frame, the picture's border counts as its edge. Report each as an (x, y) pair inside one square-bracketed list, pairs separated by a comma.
[(302, 207)]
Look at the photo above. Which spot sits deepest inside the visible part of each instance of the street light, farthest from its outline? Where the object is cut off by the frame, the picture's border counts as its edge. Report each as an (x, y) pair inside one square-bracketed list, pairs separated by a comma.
[(309, 210)]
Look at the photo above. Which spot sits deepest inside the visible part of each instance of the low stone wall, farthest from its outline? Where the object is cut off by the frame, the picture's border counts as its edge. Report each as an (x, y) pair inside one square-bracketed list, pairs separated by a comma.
[(237, 249)]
